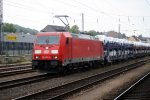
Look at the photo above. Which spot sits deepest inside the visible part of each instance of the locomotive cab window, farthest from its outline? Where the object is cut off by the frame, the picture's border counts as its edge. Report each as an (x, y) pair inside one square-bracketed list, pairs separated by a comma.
[(48, 40)]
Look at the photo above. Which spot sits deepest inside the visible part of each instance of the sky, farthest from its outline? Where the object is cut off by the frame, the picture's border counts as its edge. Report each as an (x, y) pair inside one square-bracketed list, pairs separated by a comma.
[(100, 15)]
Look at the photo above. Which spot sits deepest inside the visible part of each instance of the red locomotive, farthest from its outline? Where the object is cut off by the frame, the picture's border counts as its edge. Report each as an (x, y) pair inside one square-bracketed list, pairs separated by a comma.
[(60, 51)]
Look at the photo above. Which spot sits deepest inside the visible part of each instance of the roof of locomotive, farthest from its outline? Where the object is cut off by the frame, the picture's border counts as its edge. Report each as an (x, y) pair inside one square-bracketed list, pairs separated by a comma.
[(67, 34), (83, 36), (54, 28)]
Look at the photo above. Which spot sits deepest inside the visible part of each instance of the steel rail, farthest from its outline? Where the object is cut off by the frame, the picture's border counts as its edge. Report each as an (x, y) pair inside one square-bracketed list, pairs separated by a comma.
[(15, 72), (11, 65), (138, 93), (14, 67), (22, 81)]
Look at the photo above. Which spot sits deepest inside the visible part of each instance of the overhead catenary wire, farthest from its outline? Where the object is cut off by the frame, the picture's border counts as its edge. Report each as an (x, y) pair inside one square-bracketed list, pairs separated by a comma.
[(96, 10), (21, 6), (105, 13), (97, 14), (28, 8)]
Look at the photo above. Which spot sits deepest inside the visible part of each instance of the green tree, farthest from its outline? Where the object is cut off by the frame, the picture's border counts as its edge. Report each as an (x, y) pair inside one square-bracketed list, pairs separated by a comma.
[(21, 29), (91, 32), (74, 29), (7, 27)]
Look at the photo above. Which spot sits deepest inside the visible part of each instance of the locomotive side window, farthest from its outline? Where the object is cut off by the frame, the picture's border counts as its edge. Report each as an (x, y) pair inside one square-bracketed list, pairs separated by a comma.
[(67, 40), (48, 40)]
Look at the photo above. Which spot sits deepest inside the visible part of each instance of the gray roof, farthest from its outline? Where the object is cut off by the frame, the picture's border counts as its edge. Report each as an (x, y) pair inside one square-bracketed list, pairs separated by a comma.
[(54, 28)]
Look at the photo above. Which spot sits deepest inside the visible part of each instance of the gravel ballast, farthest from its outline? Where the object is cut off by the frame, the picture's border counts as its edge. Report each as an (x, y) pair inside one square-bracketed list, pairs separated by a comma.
[(109, 88)]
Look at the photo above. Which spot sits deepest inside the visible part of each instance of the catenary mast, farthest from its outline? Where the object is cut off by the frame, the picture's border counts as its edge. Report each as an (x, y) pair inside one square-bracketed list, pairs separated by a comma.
[(1, 23)]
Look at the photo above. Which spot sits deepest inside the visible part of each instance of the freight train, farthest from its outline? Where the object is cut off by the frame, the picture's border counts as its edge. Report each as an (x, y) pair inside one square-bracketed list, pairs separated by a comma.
[(61, 51)]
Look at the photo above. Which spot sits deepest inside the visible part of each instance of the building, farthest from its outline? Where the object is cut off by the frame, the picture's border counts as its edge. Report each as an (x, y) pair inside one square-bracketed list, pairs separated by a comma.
[(133, 38), (17, 43), (54, 28), (144, 39), (115, 35)]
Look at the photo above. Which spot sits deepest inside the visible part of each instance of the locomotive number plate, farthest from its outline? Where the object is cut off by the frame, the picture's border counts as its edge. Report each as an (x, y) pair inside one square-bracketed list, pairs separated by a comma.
[(46, 51)]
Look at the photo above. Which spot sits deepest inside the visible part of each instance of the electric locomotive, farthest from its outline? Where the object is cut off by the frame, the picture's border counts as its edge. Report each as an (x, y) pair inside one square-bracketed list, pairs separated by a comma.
[(60, 51)]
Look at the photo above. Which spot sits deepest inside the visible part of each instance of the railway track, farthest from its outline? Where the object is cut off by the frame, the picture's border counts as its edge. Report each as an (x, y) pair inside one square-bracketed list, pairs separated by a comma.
[(4, 68), (22, 81), (72, 87), (140, 90), (11, 65), (15, 70)]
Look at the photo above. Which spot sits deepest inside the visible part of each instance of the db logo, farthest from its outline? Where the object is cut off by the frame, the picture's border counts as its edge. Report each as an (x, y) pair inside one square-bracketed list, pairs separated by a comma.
[(46, 51)]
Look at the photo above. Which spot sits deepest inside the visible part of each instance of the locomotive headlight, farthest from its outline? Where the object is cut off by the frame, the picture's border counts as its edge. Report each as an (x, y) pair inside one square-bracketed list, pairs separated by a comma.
[(37, 57), (55, 57), (54, 51), (37, 51)]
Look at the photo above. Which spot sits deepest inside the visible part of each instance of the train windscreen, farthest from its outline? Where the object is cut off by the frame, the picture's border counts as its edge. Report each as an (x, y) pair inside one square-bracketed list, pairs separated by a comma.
[(48, 40)]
